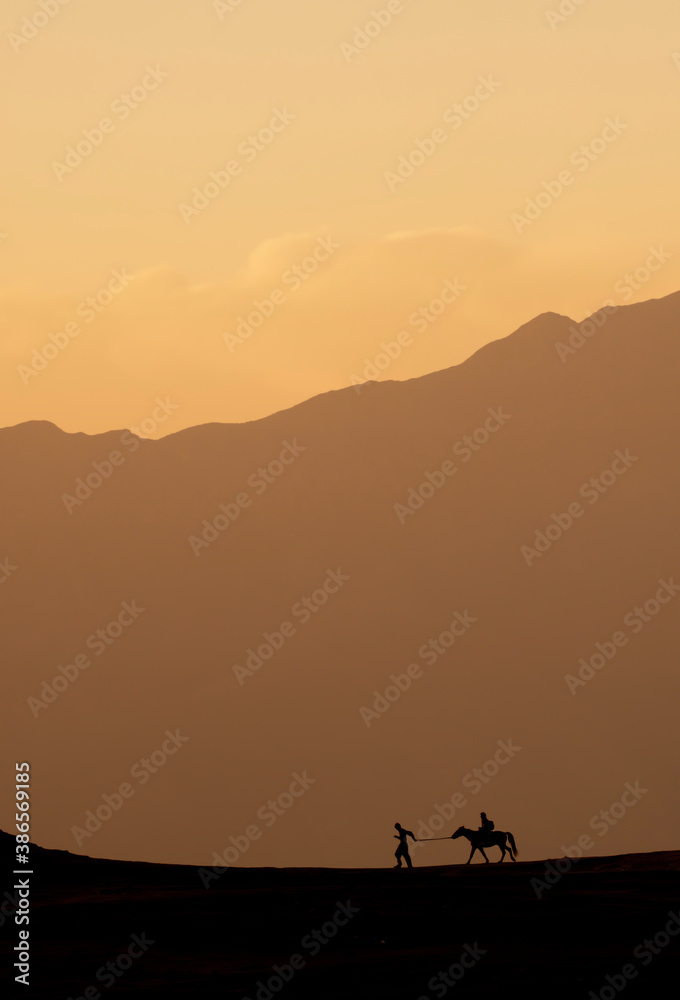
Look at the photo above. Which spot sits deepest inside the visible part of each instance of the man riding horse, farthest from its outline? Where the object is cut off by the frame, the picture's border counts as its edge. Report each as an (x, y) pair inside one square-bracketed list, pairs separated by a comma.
[(486, 836), (487, 826)]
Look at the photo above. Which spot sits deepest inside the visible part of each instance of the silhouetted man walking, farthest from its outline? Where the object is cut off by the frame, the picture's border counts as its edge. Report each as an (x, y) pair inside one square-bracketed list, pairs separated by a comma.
[(402, 851)]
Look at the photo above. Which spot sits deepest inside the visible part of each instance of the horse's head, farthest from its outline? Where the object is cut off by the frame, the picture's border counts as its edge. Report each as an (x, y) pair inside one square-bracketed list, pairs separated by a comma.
[(459, 833)]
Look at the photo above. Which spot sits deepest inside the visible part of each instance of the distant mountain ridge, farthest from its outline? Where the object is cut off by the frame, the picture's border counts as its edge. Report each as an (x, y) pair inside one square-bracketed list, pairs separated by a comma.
[(363, 455)]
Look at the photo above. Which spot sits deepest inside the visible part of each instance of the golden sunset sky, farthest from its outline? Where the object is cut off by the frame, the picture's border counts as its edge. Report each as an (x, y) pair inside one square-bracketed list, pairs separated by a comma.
[(117, 114)]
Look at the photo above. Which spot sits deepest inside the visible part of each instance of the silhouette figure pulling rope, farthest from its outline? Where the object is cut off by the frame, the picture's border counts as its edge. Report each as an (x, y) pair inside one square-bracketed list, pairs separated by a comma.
[(402, 836)]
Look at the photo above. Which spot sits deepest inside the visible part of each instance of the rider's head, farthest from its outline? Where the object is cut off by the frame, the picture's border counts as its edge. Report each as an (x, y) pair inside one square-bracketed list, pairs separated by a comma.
[(397, 826), (483, 815)]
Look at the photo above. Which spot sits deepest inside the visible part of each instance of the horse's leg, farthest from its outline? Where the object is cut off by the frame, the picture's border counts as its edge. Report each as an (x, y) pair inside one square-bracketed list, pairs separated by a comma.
[(484, 855), (471, 854)]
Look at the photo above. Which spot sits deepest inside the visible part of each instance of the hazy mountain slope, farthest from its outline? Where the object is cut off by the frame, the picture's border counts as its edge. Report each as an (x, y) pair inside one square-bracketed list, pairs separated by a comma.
[(333, 508)]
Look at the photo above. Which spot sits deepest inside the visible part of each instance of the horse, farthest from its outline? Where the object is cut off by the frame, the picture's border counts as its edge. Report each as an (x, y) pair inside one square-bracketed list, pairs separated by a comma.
[(479, 840)]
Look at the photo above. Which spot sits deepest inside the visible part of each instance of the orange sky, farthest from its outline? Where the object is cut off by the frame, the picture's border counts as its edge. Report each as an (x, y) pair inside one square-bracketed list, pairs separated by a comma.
[(309, 250)]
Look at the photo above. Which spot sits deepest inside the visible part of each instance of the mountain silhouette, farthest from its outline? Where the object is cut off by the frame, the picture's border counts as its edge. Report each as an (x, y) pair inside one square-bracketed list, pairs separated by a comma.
[(355, 539)]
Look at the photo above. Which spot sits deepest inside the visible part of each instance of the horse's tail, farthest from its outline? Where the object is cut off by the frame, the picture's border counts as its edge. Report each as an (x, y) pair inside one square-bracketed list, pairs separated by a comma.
[(513, 845)]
